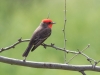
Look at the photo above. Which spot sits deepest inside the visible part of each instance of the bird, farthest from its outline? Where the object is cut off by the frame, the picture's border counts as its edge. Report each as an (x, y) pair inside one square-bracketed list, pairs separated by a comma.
[(41, 33)]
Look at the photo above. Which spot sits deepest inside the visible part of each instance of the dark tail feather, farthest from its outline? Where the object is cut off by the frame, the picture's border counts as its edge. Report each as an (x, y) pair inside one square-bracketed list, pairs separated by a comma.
[(25, 54), (33, 48)]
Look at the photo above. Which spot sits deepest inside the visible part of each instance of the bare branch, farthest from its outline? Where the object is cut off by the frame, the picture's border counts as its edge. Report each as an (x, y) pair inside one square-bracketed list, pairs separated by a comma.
[(53, 46), (57, 48), (27, 40), (80, 52), (13, 46), (64, 32), (47, 65), (89, 59)]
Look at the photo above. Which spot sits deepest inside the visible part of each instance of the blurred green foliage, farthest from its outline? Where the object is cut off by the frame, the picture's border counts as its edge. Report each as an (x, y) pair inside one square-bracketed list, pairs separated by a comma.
[(19, 18)]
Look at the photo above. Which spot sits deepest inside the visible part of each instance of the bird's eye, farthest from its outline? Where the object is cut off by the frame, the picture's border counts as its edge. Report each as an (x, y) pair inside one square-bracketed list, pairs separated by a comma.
[(49, 22)]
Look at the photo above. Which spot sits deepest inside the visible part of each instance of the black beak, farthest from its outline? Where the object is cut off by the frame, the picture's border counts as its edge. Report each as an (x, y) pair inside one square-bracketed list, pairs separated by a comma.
[(53, 23)]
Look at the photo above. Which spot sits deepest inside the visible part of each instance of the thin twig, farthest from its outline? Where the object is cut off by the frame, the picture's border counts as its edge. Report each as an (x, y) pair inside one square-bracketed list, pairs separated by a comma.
[(13, 46), (89, 59), (64, 32), (48, 15), (27, 40), (80, 52)]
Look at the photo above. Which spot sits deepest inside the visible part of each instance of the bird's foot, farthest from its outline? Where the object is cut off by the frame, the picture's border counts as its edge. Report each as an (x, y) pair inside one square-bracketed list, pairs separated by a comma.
[(24, 59), (44, 45)]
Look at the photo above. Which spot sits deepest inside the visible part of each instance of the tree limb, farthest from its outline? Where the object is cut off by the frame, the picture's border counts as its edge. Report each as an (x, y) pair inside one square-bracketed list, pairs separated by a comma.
[(47, 65)]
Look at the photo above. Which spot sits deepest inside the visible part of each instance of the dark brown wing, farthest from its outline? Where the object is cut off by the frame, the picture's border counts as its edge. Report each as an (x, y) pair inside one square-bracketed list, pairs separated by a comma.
[(37, 39), (42, 36)]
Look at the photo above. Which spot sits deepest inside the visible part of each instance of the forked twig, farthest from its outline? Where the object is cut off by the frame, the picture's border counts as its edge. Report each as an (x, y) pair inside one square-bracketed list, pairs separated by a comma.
[(79, 52)]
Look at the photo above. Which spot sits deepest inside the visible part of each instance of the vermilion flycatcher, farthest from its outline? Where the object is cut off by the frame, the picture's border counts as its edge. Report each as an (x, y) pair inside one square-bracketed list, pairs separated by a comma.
[(42, 32)]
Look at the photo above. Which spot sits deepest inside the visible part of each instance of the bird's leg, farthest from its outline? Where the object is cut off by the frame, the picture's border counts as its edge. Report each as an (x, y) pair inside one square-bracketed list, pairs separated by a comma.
[(24, 59), (44, 45)]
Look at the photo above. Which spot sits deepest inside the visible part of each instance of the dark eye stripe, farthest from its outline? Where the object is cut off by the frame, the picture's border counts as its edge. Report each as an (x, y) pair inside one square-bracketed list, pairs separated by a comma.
[(49, 22)]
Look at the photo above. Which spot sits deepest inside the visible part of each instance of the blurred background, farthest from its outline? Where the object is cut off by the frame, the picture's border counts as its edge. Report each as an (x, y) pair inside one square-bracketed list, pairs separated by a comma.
[(19, 18)]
